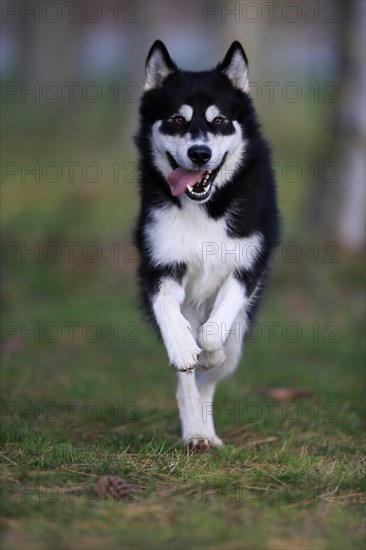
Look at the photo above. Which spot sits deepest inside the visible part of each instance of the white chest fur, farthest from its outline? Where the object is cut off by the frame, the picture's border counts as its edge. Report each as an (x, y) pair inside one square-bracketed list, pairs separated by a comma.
[(188, 235)]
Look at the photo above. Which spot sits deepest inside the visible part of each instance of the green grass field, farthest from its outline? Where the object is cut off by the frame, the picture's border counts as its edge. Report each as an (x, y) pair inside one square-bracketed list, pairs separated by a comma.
[(87, 392)]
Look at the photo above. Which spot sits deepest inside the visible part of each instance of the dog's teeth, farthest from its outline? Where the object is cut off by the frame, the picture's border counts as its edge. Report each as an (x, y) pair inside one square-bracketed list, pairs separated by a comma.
[(203, 185)]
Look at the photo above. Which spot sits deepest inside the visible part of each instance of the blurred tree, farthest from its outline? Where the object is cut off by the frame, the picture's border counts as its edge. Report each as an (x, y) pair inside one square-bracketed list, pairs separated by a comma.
[(352, 131), (337, 200)]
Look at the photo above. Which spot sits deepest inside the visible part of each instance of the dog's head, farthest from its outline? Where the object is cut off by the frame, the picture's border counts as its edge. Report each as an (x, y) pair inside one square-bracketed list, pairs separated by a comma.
[(196, 120)]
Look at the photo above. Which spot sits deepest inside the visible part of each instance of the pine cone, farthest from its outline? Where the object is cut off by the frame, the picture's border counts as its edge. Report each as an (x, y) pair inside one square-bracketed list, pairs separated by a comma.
[(113, 486)]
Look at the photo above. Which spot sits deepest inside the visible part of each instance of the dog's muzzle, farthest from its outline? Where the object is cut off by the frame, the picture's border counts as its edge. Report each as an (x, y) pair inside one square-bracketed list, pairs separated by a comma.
[(196, 184)]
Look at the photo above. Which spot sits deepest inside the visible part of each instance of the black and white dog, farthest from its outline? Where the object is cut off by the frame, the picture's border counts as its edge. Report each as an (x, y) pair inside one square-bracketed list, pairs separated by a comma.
[(208, 223)]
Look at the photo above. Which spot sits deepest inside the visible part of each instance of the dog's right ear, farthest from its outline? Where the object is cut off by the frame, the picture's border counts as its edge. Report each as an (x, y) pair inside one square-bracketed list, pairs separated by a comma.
[(158, 66)]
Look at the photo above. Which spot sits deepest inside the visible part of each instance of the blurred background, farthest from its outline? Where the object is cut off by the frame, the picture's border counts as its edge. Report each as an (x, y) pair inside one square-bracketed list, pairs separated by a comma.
[(72, 75)]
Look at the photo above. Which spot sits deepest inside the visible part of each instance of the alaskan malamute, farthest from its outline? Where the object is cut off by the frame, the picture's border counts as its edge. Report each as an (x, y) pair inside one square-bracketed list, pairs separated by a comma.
[(208, 223)]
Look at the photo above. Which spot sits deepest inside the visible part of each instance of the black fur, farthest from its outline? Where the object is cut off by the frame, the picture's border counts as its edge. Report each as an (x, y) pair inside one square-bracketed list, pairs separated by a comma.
[(251, 191)]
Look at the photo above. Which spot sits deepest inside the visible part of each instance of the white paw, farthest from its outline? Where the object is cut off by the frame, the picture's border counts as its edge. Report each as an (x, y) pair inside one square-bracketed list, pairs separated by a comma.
[(211, 359), (210, 337), (203, 443), (197, 443), (217, 442), (184, 357)]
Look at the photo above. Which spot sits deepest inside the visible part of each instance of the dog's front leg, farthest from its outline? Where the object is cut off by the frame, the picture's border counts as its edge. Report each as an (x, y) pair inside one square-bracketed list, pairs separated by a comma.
[(230, 300), (183, 354), (180, 345), (194, 431)]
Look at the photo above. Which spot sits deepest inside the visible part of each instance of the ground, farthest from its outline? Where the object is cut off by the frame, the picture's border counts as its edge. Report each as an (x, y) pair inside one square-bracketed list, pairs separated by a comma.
[(90, 394)]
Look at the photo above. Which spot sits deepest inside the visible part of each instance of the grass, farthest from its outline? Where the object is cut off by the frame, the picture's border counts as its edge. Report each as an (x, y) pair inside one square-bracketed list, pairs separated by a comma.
[(98, 398)]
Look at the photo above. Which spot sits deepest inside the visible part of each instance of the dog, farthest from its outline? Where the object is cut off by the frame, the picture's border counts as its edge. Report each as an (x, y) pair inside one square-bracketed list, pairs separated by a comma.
[(208, 223)]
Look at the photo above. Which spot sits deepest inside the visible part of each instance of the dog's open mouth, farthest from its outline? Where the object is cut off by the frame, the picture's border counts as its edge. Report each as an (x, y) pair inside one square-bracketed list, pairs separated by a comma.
[(196, 184)]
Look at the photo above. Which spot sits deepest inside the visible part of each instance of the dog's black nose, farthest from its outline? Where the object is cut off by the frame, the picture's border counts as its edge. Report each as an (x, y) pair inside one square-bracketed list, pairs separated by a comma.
[(199, 154)]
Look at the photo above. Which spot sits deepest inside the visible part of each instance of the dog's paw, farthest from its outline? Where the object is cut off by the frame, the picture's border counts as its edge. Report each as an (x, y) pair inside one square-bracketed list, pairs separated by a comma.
[(210, 337), (217, 442), (211, 359), (198, 444), (185, 358), (203, 443)]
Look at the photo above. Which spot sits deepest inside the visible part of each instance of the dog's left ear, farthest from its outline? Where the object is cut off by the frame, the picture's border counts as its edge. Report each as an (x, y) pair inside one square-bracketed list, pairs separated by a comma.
[(158, 66), (235, 67)]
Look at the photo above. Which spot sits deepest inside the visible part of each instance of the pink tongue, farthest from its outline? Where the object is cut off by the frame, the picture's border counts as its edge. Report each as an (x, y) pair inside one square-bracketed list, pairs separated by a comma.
[(179, 179)]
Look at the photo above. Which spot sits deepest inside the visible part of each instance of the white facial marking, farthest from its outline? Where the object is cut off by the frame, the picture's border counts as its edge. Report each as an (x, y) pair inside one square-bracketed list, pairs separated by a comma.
[(186, 112), (233, 144), (176, 145), (212, 112)]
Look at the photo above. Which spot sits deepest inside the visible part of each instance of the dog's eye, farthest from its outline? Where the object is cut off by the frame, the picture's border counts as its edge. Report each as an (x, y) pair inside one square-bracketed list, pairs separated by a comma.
[(217, 120), (179, 120)]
